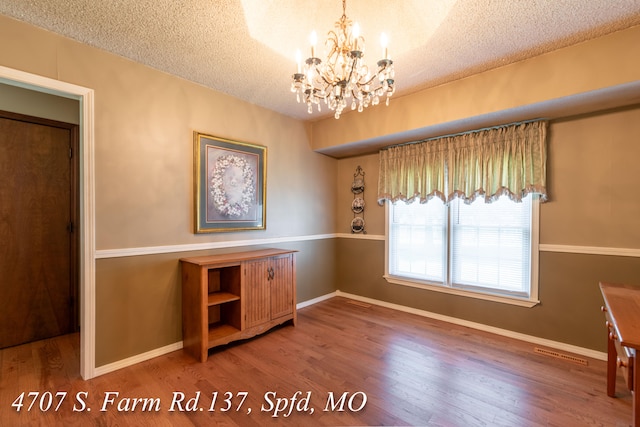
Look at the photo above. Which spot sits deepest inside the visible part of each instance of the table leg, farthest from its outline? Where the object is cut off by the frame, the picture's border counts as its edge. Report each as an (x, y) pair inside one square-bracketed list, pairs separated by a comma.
[(612, 357), (634, 393)]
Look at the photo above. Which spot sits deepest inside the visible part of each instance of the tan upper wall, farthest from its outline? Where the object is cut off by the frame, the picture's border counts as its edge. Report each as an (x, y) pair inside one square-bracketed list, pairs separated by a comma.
[(591, 165), (502, 95), (144, 124), (38, 104), (592, 174)]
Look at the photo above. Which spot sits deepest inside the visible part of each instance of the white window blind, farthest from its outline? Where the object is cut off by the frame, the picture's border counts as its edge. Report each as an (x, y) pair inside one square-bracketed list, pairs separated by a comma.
[(491, 245), (418, 240), (480, 247)]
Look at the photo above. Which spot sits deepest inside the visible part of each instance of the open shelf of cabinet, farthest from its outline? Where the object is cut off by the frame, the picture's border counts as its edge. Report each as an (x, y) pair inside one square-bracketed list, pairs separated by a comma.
[(220, 331), (221, 298), (229, 297)]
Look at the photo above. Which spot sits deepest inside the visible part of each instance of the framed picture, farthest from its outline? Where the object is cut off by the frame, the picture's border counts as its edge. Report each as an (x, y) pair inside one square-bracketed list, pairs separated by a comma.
[(230, 184)]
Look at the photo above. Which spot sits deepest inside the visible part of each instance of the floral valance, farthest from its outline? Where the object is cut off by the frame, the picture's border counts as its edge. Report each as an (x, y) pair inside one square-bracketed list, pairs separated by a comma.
[(506, 160)]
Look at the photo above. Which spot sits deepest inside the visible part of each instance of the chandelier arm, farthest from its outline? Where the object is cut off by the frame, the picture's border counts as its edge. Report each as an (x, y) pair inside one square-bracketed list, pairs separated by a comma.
[(319, 93), (368, 82), (353, 67), (377, 74), (324, 79)]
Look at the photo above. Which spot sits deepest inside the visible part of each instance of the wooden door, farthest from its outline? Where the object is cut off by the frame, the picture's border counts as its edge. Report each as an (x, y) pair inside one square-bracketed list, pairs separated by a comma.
[(257, 292), (38, 212), (281, 286)]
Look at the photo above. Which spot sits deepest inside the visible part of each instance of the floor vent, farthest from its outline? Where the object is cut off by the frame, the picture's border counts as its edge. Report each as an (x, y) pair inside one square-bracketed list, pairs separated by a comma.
[(359, 303), (568, 358)]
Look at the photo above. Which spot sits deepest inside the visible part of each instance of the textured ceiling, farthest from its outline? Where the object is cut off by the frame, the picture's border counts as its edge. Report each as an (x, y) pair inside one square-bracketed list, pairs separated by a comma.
[(246, 48)]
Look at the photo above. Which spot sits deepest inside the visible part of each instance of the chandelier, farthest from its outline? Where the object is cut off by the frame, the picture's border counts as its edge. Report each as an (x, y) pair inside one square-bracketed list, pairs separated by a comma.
[(344, 78)]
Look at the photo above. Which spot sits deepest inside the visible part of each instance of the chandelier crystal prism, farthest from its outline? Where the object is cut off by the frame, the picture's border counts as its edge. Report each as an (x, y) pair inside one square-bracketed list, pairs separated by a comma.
[(344, 79)]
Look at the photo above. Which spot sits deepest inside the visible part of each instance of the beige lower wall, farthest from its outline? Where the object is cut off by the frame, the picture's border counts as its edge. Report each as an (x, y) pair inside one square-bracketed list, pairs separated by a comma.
[(138, 305), (139, 300), (570, 298)]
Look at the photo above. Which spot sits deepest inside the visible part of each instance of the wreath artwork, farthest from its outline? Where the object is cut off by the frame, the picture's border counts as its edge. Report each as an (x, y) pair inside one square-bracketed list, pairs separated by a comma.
[(230, 183), (232, 186)]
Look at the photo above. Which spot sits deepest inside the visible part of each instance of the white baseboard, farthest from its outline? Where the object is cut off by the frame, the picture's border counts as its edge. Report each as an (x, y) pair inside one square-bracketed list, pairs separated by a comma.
[(315, 300), (104, 369), (498, 331)]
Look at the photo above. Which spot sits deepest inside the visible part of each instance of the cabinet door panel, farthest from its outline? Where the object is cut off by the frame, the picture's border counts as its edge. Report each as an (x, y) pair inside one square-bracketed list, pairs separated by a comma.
[(257, 308), (282, 287)]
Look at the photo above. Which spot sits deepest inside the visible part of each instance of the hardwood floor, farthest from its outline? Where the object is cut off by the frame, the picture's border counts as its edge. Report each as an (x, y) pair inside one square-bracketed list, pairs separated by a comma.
[(412, 370)]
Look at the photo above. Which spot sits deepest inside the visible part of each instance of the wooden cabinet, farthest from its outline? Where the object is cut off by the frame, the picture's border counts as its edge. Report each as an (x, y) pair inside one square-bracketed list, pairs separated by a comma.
[(269, 295), (229, 297)]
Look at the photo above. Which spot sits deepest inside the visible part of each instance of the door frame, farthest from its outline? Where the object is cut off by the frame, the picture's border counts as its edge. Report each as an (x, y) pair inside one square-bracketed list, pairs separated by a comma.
[(86, 218)]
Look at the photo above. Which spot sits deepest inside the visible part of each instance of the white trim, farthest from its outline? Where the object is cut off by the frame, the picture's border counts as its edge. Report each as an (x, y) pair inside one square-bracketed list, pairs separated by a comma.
[(522, 302), (152, 250), (534, 261), (315, 300), (479, 326), (591, 250), (360, 236), (138, 358), (542, 247), (87, 202), (41, 84), (87, 238)]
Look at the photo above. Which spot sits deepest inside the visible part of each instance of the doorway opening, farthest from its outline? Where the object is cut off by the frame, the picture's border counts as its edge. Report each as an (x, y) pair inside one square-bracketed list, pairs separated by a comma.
[(39, 211), (86, 212)]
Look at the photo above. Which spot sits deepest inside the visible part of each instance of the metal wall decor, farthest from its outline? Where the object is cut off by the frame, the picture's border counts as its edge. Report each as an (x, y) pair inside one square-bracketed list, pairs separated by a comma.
[(357, 206)]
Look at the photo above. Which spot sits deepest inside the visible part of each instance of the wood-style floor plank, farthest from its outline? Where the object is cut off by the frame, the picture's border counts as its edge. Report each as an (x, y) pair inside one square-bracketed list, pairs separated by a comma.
[(413, 371)]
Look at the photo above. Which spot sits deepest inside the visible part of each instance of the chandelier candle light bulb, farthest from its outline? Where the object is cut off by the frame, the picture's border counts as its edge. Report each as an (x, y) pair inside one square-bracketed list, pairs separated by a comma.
[(344, 74), (384, 42), (356, 34), (313, 39)]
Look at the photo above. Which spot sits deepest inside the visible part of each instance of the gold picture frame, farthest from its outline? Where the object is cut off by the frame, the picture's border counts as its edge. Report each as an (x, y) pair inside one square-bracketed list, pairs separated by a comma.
[(230, 181)]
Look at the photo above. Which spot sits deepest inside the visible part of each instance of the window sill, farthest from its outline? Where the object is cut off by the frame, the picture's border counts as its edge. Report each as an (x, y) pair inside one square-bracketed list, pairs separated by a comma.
[(522, 302)]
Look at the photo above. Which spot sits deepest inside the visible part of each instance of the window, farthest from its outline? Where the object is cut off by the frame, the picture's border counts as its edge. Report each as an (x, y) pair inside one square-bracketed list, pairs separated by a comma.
[(480, 249)]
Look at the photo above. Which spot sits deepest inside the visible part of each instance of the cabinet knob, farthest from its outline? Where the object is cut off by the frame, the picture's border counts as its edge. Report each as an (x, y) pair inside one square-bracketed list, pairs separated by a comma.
[(621, 363), (612, 336), (603, 308)]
